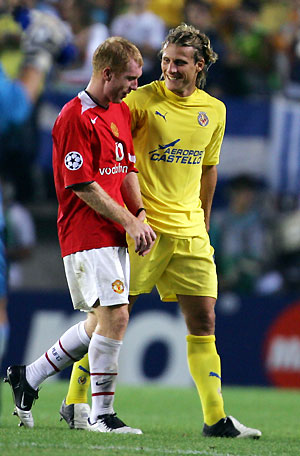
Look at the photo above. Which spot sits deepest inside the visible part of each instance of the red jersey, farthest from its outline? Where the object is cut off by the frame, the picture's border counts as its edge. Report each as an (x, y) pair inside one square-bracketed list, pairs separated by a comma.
[(90, 143)]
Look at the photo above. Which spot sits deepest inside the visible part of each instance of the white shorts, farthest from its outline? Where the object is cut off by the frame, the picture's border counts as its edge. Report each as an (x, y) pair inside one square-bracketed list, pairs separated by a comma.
[(98, 274)]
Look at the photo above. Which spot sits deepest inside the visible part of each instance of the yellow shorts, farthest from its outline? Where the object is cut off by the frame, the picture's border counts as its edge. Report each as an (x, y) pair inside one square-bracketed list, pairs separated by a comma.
[(176, 266)]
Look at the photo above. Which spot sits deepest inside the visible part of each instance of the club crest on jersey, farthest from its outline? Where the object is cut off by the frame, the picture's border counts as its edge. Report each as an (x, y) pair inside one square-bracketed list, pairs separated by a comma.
[(118, 286), (73, 160), (203, 120), (114, 129), (81, 380)]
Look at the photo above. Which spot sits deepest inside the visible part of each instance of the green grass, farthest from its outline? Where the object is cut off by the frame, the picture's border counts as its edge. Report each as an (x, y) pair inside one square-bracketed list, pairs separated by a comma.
[(171, 419)]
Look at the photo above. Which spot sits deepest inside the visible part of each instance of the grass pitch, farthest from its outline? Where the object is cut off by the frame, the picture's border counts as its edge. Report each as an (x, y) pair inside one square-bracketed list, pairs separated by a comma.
[(170, 418)]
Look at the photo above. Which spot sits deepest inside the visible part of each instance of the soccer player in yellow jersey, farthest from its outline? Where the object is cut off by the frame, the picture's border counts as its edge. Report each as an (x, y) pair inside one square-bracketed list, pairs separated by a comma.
[(177, 131)]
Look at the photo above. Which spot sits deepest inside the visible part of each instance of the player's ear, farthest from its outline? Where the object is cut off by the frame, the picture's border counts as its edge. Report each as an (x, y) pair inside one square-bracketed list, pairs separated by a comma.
[(107, 74), (200, 65)]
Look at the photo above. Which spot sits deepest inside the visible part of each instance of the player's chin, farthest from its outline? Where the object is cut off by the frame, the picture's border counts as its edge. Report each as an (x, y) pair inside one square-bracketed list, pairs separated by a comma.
[(173, 83), (119, 98)]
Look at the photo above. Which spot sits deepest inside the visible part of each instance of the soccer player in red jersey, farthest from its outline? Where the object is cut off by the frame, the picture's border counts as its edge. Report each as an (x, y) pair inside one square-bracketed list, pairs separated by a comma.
[(95, 176)]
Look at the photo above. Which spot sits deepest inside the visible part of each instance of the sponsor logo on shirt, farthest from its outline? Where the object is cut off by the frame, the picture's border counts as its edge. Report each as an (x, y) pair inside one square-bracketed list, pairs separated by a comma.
[(114, 170), (203, 120), (73, 160), (119, 151), (165, 146), (169, 154), (118, 286)]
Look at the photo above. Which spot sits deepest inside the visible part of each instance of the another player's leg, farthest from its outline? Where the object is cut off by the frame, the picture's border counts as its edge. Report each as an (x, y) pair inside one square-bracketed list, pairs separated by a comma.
[(205, 368), (25, 380), (75, 409)]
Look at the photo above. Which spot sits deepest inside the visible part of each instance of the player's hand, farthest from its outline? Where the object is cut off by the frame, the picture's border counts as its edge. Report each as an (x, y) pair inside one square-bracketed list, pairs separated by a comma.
[(143, 236)]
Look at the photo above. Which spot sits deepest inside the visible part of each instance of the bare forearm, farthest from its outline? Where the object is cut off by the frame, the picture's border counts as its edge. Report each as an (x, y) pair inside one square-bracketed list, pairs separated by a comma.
[(131, 193), (208, 186), (95, 197)]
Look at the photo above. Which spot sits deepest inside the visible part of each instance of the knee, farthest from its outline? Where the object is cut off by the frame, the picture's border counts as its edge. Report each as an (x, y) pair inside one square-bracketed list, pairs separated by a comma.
[(121, 321), (202, 323)]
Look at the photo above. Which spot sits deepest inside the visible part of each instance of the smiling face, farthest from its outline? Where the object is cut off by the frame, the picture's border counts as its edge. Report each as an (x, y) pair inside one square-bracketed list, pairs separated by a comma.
[(118, 85), (179, 69)]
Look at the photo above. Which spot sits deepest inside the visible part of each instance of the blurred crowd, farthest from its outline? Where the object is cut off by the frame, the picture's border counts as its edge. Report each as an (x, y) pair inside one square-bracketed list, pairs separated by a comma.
[(258, 44), (258, 41)]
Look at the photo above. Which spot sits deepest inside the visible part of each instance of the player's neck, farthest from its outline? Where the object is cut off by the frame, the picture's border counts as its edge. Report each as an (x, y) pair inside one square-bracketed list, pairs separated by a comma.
[(96, 100)]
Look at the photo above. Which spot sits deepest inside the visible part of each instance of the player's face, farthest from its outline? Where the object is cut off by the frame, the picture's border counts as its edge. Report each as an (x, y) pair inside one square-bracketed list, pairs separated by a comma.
[(121, 84), (179, 69)]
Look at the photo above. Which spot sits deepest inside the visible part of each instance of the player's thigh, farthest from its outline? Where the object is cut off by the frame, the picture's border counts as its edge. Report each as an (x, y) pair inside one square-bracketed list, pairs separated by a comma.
[(191, 271), (146, 271)]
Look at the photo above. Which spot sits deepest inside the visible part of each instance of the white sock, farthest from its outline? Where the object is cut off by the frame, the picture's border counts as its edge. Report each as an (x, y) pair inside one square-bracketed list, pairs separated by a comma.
[(71, 347), (103, 359)]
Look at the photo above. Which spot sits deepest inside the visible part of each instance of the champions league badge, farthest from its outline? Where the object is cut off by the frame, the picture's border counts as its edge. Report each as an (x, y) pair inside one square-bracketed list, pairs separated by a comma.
[(73, 160), (203, 120)]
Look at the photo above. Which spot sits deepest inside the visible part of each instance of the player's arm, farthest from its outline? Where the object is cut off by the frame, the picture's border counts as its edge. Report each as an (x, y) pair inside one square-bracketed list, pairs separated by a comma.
[(208, 186), (97, 198), (132, 195)]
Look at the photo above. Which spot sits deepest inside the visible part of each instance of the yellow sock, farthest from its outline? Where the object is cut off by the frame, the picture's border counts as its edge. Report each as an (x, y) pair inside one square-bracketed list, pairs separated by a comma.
[(205, 368), (79, 382)]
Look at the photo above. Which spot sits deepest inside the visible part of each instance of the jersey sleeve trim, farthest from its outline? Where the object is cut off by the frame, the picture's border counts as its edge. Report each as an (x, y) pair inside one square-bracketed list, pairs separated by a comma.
[(79, 183)]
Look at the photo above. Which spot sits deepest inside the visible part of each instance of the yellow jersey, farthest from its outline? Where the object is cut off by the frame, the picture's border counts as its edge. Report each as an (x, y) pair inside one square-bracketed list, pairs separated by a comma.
[(173, 137)]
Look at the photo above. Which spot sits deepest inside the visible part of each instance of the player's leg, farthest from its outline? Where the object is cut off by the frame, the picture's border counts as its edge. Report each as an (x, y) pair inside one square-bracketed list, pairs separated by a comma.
[(191, 275), (25, 380), (112, 319), (142, 280), (71, 347), (203, 359), (79, 382), (104, 352), (75, 409), (205, 367), (76, 400)]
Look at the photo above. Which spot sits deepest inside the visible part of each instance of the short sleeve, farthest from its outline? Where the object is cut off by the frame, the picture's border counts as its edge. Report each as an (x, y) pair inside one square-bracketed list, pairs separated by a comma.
[(212, 151), (72, 138)]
